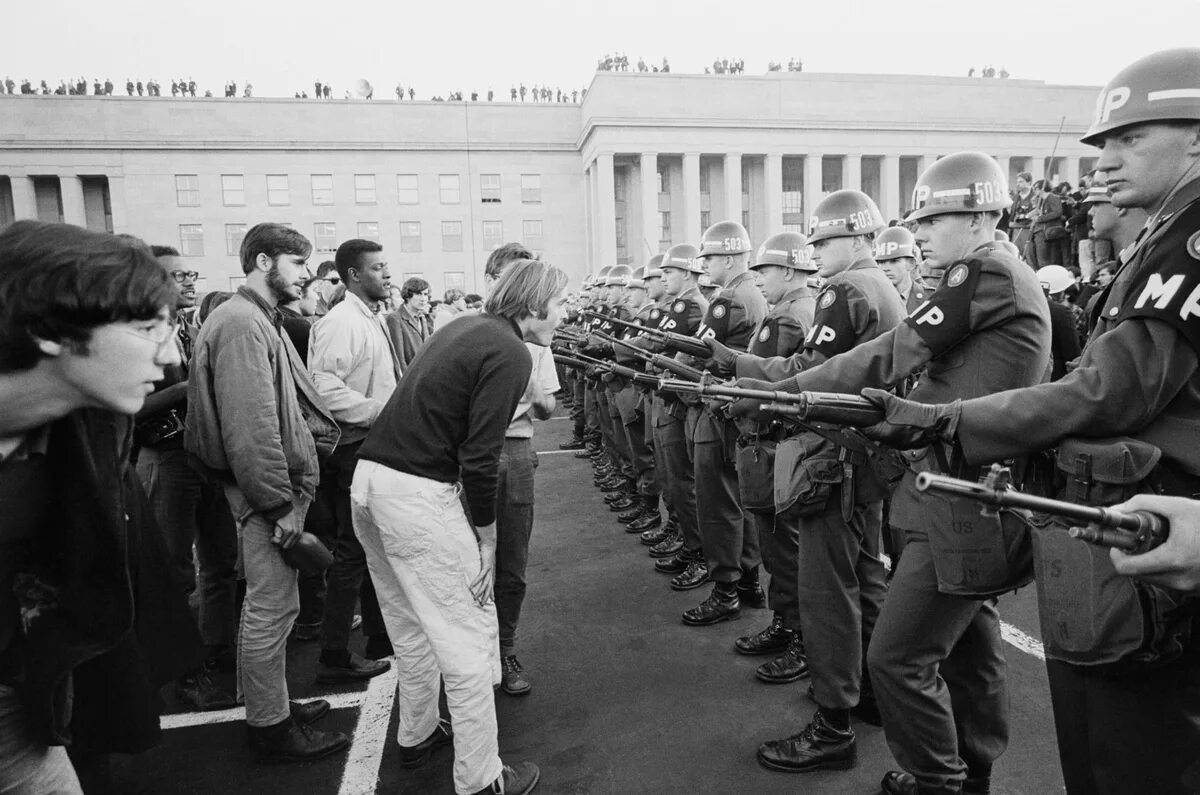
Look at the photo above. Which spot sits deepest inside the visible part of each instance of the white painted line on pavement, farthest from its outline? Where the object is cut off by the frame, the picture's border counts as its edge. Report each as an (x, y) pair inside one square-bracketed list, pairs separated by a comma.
[(186, 720), (556, 452), (361, 775)]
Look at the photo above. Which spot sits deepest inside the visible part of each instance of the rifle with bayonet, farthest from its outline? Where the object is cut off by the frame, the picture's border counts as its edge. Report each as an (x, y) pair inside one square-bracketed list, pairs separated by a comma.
[(581, 361), (1134, 532), (669, 339), (830, 407), (657, 359)]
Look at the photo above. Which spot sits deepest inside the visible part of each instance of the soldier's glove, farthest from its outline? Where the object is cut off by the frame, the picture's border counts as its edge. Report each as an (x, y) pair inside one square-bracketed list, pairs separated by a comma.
[(722, 360), (908, 424), (751, 408)]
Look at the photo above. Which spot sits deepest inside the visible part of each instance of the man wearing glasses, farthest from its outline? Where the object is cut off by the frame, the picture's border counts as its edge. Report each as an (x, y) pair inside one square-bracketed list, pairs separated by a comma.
[(328, 287)]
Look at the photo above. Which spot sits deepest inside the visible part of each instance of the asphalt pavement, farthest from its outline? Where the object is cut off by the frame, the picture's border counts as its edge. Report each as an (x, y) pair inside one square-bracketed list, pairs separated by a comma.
[(626, 698)]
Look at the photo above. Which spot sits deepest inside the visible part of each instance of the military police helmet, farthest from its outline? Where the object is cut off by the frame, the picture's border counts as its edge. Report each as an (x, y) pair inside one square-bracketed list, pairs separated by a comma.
[(895, 243), (684, 257), (654, 268), (723, 238), (618, 276), (1055, 278), (844, 213), (601, 277), (637, 278), (705, 281), (1164, 86), (1098, 193), (964, 182), (787, 250)]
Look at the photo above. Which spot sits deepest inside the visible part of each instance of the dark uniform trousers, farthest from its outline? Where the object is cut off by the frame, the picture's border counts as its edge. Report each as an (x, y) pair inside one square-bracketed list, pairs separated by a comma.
[(730, 545), (633, 426), (778, 540), (672, 445), (591, 408), (603, 412), (649, 424), (954, 715), (840, 587), (575, 382), (619, 451)]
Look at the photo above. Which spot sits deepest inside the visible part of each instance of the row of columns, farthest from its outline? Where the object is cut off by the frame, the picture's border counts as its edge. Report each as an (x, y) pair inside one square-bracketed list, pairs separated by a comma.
[(74, 211)]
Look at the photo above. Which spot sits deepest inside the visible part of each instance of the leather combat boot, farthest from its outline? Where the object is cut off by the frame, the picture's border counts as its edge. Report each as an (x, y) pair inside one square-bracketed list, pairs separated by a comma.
[(650, 518), (614, 483), (293, 741), (772, 640), (721, 605), (626, 502), (788, 667), (632, 513), (751, 595), (672, 564), (574, 443), (693, 576), (819, 746), (671, 545), (656, 535), (896, 782)]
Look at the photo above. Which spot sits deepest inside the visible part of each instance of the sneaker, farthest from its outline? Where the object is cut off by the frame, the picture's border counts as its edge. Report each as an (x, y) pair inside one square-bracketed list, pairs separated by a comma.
[(517, 779), (412, 756), (198, 691), (513, 680)]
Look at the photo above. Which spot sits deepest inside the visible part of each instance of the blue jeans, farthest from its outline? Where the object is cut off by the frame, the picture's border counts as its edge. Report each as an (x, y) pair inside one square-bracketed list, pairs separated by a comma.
[(28, 767), (514, 525)]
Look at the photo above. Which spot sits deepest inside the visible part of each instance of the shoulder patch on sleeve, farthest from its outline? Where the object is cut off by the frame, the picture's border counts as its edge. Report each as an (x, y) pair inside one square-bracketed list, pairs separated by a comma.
[(1170, 294), (1193, 245), (832, 330), (716, 320), (943, 319)]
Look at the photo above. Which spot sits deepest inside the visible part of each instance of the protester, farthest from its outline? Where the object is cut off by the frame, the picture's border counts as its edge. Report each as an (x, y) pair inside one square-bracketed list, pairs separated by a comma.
[(410, 325)]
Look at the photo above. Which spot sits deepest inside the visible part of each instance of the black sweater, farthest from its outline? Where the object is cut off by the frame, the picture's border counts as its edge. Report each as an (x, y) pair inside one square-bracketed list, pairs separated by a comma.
[(447, 417)]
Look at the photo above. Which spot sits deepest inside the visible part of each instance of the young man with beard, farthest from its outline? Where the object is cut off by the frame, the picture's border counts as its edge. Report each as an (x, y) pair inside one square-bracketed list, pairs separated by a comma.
[(256, 422), (355, 370), (434, 564)]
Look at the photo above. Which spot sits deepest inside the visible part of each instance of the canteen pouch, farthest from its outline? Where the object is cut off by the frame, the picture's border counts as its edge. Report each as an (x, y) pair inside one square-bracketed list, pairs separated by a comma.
[(978, 553), (755, 463), (1090, 615), (807, 467)]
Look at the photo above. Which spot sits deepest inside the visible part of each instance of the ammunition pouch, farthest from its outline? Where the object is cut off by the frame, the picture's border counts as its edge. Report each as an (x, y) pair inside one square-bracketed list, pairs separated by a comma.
[(807, 467), (1091, 615), (755, 462)]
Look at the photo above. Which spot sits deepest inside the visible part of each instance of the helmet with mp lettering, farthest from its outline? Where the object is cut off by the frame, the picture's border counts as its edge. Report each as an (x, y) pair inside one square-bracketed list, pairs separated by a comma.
[(725, 238), (787, 250), (1098, 193), (844, 213), (683, 256), (654, 268), (618, 276), (1163, 86), (964, 182), (1055, 278), (637, 278), (895, 242)]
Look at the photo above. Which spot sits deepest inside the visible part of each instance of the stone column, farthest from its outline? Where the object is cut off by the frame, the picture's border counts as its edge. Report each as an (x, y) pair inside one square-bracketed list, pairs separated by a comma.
[(72, 200), (852, 172), (607, 209), (889, 187), (24, 198), (773, 194), (689, 231), (733, 189), (812, 185), (649, 247)]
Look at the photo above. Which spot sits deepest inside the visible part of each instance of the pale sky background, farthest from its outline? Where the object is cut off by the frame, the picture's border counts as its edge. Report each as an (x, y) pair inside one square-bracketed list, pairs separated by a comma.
[(440, 47)]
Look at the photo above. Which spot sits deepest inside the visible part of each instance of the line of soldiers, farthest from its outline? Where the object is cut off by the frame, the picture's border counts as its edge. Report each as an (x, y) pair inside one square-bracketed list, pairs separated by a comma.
[(955, 371)]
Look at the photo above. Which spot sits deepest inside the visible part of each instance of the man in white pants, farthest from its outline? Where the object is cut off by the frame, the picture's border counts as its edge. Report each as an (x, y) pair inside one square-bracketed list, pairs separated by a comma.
[(433, 574)]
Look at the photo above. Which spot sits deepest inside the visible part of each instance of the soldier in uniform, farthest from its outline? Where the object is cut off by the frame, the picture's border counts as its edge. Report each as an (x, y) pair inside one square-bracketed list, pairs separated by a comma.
[(896, 253), (1127, 713), (651, 527), (614, 471), (680, 555), (591, 410), (730, 546), (787, 280)]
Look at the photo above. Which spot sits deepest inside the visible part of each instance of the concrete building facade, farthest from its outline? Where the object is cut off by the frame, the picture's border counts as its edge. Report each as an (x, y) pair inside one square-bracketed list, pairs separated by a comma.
[(647, 160)]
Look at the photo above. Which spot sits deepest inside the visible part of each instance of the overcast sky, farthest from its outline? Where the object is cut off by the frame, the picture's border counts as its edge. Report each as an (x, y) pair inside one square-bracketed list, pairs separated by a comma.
[(439, 47)]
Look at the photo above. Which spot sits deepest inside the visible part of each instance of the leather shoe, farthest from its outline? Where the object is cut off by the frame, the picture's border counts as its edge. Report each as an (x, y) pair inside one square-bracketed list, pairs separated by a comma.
[(721, 605), (613, 484), (518, 779), (653, 536), (693, 576), (771, 640), (612, 497), (355, 669), (584, 453), (896, 782), (574, 443), (417, 755), (512, 679), (310, 711), (198, 691), (788, 667), (292, 741), (650, 520), (671, 545), (627, 517), (671, 565), (623, 504), (818, 747), (751, 595)]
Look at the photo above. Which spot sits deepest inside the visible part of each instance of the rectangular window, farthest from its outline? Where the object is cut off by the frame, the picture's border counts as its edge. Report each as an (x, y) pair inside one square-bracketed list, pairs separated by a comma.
[(322, 189), (187, 190), (364, 188), (452, 236), (278, 193), (410, 237), (448, 189), (233, 190), (746, 175), (191, 240), (489, 188), (531, 234), (793, 195), (368, 230), (746, 221), (325, 236), (664, 227), (705, 219), (233, 238), (406, 189), (705, 180), (493, 235), (531, 188), (456, 280)]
